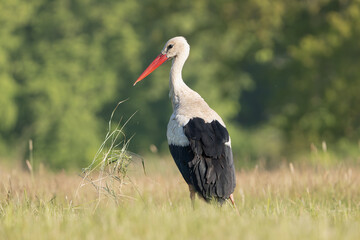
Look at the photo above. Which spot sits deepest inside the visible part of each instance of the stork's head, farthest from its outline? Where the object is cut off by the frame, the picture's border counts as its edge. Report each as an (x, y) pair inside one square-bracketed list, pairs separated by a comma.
[(175, 47)]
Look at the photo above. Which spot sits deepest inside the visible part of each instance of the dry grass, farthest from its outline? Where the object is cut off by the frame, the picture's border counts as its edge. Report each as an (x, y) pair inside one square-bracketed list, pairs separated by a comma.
[(286, 203)]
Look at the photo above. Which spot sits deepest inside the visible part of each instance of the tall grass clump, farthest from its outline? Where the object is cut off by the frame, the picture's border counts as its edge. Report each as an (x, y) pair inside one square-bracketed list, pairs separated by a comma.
[(107, 172)]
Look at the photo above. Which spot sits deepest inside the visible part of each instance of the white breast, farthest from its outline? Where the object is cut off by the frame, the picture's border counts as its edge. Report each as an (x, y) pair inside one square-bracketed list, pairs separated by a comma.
[(175, 130), (187, 105)]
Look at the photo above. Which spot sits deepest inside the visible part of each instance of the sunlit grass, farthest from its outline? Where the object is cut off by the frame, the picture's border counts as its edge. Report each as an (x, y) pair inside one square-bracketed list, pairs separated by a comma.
[(287, 203)]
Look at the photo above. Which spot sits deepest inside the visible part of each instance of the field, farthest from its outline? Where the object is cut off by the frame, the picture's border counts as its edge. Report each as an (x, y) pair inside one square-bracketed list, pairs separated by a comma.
[(285, 203)]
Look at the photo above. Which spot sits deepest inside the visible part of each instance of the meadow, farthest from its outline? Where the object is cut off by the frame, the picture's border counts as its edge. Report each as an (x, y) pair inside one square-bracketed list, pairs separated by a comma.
[(289, 202)]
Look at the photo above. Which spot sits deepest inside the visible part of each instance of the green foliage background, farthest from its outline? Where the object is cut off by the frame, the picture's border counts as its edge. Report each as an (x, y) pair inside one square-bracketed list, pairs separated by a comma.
[(282, 73)]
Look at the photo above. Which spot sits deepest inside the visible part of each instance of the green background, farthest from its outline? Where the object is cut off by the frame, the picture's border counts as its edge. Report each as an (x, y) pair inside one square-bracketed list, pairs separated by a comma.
[(283, 74)]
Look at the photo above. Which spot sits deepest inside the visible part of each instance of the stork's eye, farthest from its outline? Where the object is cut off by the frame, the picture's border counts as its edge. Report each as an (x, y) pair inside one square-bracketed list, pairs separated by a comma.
[(170, 46)]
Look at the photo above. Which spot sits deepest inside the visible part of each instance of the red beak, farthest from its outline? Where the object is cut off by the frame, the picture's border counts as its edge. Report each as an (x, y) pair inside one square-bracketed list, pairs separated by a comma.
[(154, 65)]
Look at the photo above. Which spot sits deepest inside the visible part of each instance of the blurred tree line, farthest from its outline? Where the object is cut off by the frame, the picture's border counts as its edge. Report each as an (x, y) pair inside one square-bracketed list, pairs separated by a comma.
[(282, 73)]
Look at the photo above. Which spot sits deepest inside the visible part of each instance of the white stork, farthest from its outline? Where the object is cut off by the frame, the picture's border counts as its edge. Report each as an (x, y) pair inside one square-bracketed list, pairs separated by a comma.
[(197, 136)]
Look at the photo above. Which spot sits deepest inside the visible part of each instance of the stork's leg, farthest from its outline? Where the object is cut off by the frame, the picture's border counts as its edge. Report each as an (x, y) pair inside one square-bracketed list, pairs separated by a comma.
[(192, 195), (233, 202)]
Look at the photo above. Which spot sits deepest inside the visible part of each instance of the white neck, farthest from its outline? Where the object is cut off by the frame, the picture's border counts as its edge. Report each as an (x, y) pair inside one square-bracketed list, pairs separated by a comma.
[(177, 85)]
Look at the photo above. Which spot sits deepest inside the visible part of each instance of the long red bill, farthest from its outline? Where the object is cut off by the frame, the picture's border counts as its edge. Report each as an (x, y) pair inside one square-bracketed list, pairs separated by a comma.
[(154, 65)]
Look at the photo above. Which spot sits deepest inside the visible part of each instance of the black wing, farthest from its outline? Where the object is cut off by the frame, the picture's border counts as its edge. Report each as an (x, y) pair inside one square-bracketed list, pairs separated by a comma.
[(212, 169)]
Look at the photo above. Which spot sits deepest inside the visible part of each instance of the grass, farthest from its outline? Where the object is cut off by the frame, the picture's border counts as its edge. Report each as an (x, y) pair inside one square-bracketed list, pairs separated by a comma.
[(286, 203)]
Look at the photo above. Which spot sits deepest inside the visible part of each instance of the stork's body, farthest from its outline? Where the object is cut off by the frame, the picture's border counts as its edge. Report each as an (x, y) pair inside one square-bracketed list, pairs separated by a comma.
[(197, 136)]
